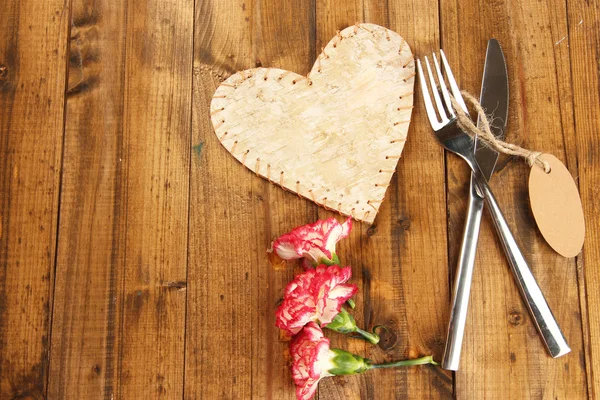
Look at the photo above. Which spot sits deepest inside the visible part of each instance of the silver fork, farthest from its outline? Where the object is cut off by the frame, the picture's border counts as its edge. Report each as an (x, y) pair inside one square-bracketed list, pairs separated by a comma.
[(453, 139)]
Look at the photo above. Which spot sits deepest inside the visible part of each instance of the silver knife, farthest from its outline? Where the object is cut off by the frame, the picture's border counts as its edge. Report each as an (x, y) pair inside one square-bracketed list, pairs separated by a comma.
[(493, 99)]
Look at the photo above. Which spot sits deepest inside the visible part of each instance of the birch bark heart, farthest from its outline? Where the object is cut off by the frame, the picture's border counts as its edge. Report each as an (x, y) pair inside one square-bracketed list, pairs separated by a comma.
[(333, 136)]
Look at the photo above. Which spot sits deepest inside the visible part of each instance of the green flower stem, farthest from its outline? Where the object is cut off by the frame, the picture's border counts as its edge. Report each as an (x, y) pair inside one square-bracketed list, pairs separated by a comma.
[(371, 337), (346, 363), (405, 363), (345, 323)]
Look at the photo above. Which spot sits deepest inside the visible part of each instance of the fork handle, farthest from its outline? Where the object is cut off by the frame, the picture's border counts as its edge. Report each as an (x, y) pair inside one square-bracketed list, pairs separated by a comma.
[(462, 280), (545, 322)]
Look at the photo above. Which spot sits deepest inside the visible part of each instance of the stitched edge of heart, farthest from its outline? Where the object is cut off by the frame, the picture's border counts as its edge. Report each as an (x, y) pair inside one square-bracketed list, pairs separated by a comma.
[(238, 78)]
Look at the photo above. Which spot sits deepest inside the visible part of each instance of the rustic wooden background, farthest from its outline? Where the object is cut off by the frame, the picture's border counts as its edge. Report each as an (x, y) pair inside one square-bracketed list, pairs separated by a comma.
[(132, 245)]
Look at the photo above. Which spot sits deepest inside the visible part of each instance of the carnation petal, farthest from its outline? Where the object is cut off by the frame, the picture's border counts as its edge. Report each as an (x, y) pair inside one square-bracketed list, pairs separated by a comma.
[(343, 292), (317, 254), (314, 241), (315, 295), (311, 360), (337, 232), (307, 391), (285, 250)]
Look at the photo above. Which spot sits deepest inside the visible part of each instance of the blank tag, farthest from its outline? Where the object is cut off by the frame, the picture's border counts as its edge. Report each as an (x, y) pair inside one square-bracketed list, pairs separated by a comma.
[(556, 206)]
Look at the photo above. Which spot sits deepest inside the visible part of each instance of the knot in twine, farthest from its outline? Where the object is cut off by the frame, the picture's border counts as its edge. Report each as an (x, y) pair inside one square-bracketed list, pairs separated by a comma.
[(485, 133)]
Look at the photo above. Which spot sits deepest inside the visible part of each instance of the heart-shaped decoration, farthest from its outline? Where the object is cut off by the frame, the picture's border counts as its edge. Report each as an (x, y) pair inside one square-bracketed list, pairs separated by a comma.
[(333, 136)]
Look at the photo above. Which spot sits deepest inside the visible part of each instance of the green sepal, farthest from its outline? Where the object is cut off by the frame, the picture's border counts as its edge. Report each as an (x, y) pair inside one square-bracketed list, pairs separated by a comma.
[(335, 260), (346, 363), (345, 323)]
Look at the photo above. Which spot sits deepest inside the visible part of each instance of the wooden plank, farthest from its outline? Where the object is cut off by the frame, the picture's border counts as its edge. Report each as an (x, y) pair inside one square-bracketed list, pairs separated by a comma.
[(217, 353), (332, 16), (286, 39), (33, 47), (156, 153), (90, 261), (122, 232), (233, 349), (421, 213), (583, 41), (399, 261), (503, 356)]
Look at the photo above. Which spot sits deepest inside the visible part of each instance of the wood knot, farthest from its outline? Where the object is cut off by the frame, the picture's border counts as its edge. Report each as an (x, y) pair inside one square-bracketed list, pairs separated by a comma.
[(435, 342), (372, 230), (402, 225), (387, 339), (515, 318)]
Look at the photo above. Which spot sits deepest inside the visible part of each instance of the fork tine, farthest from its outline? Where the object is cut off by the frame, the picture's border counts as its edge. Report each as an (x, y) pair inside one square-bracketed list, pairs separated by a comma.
[(433, 120), (443, 87), (436, 95), (452, 81)]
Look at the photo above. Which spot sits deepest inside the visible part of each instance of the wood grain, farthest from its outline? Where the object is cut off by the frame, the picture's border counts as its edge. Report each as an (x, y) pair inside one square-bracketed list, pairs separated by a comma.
[(156, 153), (234, 349), (286, 40), (33, 46), (218, 343), (330, 17), (502, 354), (421, 191), (162, 286), (584, 42), (90, 262), (399, 263)]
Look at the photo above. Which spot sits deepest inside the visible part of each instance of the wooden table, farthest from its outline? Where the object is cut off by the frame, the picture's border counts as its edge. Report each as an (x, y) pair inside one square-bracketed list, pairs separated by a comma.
[(132, 245)]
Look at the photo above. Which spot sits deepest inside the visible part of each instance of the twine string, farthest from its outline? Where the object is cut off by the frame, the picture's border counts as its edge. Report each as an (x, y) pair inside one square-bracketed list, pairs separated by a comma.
[(485, 133)]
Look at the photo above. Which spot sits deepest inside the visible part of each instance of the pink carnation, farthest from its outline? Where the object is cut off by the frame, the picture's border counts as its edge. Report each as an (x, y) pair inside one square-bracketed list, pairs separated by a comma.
[(311, 360), (314, 295), (315, 242)]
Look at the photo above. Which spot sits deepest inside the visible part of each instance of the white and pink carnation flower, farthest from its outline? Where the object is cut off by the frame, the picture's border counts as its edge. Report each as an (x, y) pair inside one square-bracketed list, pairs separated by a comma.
[(311, 360), (314, 242), (316, 295)]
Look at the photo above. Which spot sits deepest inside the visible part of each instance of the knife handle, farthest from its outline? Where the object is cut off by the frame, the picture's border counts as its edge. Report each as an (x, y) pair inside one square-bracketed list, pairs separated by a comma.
[(462, 280), (553, 338)]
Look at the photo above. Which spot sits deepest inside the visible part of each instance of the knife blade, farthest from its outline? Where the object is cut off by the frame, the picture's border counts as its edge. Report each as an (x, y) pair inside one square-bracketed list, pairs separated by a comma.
[(493, 99)]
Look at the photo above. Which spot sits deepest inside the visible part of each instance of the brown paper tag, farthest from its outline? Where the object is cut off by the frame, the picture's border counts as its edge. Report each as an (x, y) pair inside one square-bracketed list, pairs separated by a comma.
[(556, 206)]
